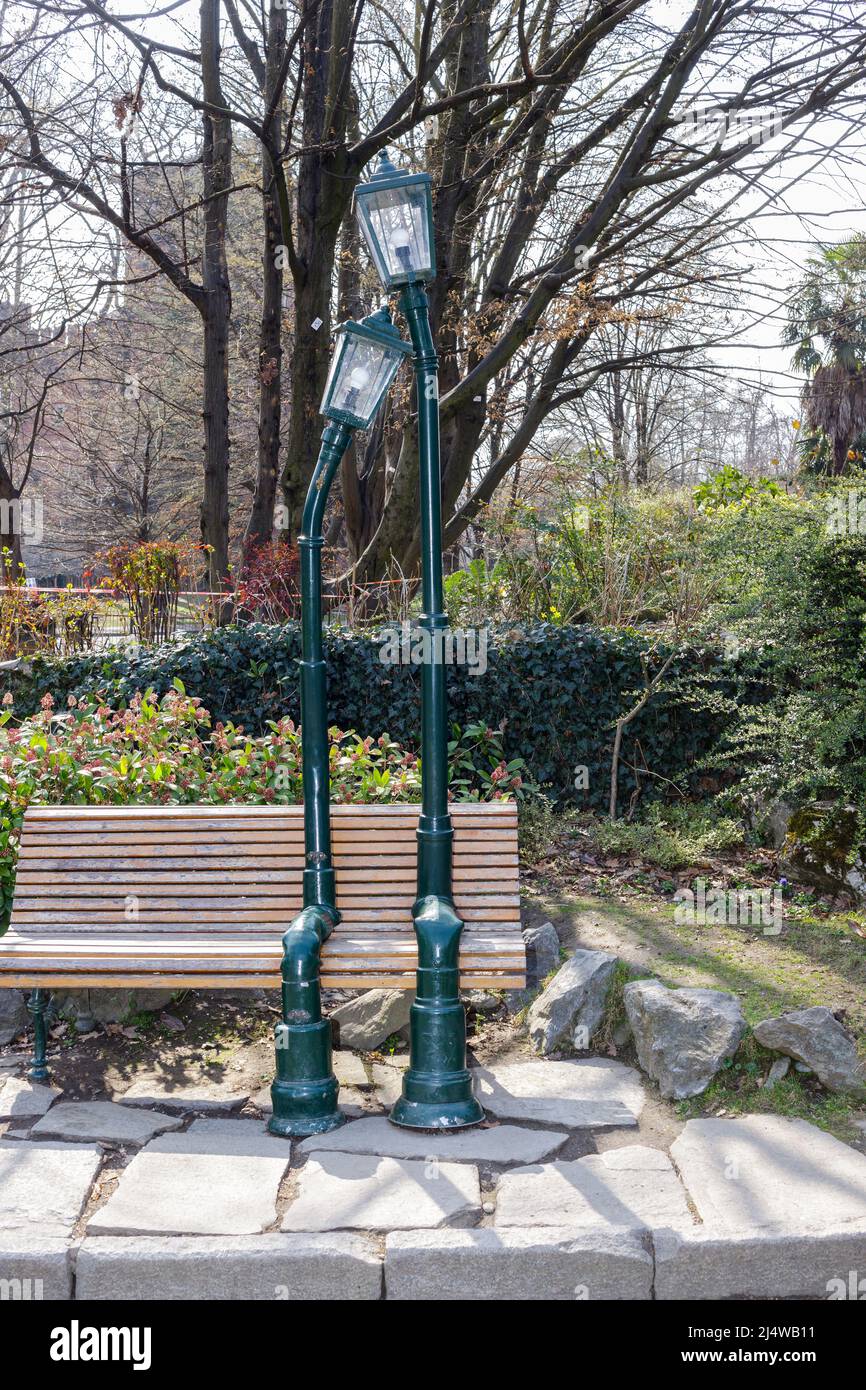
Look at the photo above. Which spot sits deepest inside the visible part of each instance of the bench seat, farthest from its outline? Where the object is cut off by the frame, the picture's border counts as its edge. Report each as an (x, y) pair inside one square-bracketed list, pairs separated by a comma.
[(199, 896)]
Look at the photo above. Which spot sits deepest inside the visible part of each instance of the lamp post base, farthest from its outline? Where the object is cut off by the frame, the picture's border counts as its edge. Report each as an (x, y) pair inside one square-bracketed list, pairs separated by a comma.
[(305, 1108), (419, 1114)]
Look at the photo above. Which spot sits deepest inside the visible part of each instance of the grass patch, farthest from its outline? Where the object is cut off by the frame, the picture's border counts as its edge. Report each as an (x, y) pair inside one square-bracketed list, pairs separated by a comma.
[(738, 1090)]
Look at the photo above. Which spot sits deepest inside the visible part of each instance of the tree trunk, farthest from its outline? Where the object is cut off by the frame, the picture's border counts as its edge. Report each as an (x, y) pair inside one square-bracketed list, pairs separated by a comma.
[(261, 521), (216, 312), (324, 191)]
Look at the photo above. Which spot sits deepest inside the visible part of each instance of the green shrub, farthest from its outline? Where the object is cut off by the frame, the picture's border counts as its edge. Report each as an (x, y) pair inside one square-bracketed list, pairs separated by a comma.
[(672, 836), (167, 751), (553, 691)]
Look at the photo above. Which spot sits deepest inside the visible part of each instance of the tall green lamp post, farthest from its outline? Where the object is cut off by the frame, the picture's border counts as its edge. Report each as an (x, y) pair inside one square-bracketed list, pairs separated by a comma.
[(305, 1090), (395, 213)]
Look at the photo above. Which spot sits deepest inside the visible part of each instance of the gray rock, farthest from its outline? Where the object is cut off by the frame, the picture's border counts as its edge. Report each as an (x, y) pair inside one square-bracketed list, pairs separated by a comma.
[(682, 1036), (154, 1089), (501, 1144), (763, 1171), (34, 1268), (571, 1008), (44, 1187), (367, 1021), (774, 1264), (248, 1268), (778, 1071), (22, 1100), (778, 818), (594, 1093), (817, 1039), (93, 1121), (219, 1178), (110, 1005), (339, 1191), (13, 1015), (633, 1188), (481, 1002), (542, 952), (517, 1265)]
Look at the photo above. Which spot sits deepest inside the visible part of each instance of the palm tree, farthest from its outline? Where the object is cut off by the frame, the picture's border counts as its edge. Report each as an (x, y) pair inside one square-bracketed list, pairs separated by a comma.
[(827, 328)]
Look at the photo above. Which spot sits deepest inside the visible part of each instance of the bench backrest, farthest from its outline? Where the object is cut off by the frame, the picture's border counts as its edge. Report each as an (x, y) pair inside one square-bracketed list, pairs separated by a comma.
[(91, 869)]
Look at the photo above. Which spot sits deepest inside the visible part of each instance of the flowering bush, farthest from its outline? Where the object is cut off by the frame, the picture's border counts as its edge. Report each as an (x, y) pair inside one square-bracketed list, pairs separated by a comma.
[(269, 587), (167, 751), (150, 575)]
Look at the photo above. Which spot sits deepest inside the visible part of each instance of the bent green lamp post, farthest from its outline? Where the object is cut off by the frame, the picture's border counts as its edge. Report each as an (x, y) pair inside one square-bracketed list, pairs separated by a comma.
[(305, 1090), (395, 213)]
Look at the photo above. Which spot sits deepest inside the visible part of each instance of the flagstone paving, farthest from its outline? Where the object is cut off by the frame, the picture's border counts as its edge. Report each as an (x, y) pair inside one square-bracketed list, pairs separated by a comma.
[(363, 1192), (596, 1094), (22, 1100), (498, 1144), (219, 1178), (44, 1187), (764, 1170), (634, 1187), (91, 1121), (184, 1097), (753, 1207)]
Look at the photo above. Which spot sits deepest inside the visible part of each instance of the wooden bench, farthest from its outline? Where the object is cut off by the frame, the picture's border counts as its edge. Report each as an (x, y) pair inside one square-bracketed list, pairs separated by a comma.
[(198, 896)]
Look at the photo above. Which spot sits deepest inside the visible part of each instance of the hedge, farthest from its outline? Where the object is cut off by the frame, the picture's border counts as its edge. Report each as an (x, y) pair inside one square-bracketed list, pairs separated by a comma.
[(556, 692)]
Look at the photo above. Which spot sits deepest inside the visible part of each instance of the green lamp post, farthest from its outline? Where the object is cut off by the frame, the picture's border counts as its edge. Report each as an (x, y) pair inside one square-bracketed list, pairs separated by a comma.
[(395, 213), (305, 1089)]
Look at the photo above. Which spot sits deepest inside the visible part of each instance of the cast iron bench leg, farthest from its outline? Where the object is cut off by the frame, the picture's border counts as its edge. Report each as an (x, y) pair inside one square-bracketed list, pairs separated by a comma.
[(38, 1005)]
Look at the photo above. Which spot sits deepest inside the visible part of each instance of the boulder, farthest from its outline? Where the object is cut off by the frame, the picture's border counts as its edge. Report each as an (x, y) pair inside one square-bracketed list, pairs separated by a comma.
[(682, 1036), (816, 1038), (542, 956), (110, 1005), (821, 849), (571, 1008), (367, 1021), (542, 952), (13, 1015)]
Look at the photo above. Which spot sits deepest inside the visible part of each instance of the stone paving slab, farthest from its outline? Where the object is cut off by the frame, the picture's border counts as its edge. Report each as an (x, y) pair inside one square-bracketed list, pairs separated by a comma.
[(633, 1187), (499, 1144), (332, 1266), (388, 1082), (34, 1268), (349, 1069), (219, 1178), (764, 1170), (594, 1094), (202, 1095), (507, 1265), (94, 1121), (44, 1187), (339, 1191), (22, 1100), (772, 1263)]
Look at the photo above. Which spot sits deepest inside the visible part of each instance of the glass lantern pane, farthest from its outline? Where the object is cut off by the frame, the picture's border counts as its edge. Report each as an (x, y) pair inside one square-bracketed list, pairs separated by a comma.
[(394, 223), (360, 375)]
